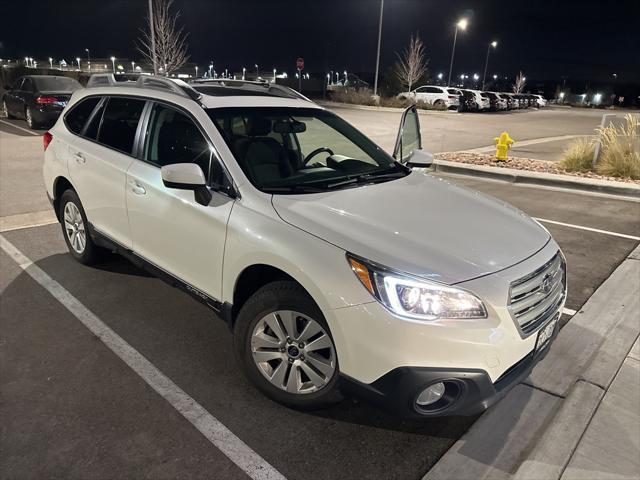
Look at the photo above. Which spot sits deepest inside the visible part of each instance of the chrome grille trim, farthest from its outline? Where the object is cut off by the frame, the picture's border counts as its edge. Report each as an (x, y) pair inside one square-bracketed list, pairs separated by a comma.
[(538, 296)]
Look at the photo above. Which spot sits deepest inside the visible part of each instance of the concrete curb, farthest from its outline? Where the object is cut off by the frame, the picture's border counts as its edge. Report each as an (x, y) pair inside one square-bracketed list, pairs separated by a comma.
[(512, 175), (539, 424)]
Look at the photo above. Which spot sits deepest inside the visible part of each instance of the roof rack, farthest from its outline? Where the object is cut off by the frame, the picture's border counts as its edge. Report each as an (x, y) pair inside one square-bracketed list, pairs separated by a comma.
[(260, 87), (173, 85)]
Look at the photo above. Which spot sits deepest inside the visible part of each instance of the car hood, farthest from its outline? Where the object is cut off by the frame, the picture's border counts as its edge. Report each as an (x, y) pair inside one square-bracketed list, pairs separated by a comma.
[(419, 224)]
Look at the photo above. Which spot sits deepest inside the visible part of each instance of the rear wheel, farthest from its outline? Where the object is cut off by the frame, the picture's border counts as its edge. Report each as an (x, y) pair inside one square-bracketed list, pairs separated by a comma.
[(74, 227), (439, 104), (284, 346)]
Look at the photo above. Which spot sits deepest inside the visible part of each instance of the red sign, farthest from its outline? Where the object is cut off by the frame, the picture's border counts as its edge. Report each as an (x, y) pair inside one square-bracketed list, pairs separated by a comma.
[(300, 63)]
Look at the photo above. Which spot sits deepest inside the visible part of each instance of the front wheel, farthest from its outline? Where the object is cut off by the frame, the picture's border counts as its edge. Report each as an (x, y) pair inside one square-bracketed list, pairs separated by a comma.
[(74, 228), (284, 346)]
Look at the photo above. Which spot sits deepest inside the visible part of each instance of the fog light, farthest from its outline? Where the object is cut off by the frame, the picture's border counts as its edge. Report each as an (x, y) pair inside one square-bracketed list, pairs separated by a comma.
[(431, 394)]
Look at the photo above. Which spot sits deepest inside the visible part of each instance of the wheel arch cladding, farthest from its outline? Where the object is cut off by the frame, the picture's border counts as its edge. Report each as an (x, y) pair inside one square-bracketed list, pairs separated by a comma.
[(60, 185)]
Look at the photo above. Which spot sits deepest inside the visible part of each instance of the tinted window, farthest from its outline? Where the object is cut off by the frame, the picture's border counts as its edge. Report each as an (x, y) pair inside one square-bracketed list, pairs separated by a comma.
[(57, 84), (94, 122), (27, 85), (119, 123), (18, 84), (432, 90), (80, 113), (172, 137)]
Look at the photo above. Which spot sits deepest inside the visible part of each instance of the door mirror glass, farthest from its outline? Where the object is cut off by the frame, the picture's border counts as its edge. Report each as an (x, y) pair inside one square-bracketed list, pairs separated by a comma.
[(187, 176), (409, 138)]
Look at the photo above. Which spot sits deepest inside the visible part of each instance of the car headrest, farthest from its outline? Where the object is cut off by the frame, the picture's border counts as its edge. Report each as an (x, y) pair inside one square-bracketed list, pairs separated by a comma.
[(259, 127)]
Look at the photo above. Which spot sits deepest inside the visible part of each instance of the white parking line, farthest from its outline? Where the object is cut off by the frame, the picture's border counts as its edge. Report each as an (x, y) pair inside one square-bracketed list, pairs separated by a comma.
[(219, 435), (19, 128), (27, 220), (589, 229), (569, 311)]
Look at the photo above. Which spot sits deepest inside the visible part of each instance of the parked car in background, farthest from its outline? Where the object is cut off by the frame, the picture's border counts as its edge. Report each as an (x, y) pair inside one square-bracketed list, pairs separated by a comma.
[(540, 101), (482, 103), (511, 101), (495, 102), (443, 97), (39, 99)]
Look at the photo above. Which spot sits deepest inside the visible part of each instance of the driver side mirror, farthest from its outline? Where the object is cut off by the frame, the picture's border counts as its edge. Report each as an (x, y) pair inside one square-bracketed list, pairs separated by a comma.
[(408, 149), (187, 176)]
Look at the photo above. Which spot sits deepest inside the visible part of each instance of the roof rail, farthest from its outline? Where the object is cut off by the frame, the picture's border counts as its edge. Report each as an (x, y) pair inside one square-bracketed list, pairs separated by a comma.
[(261, 86), (173, 85)]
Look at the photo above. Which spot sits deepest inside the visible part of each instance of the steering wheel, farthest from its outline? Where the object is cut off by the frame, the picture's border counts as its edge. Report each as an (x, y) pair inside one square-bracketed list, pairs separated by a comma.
[(314, 153)]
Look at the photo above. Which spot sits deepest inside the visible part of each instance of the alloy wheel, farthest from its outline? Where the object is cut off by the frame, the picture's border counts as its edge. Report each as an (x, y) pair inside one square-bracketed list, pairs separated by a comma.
[(74, 227), (293, 352)]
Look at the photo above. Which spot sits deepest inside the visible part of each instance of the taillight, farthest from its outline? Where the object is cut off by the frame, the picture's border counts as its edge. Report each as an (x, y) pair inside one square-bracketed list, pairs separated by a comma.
[(46, 139), (46, 100)]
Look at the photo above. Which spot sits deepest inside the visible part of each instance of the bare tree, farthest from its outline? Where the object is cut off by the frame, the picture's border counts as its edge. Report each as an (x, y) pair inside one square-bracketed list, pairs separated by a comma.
[(170, 40), (412, 64), (520, 83)]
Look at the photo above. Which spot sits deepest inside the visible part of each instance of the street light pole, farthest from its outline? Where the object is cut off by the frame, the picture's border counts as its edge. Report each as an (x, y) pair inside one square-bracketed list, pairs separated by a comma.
[(375, 82), (113, 64), (462, 24), (493, 44), (152, 27), (88, 59), (257, 72)]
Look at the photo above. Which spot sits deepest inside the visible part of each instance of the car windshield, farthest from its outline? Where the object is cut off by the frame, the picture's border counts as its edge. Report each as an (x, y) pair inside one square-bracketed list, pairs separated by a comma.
[(302, 150), (56, 84)]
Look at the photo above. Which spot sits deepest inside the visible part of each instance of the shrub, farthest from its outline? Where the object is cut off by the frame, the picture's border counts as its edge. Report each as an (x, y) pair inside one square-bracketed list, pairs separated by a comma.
[(364, 96), (620, 149), (578, 156)]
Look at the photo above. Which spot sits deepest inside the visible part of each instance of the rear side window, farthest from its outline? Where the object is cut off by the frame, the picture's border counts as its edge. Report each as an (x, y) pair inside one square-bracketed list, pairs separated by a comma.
[(80, 113), (119, 123), (172, 137)]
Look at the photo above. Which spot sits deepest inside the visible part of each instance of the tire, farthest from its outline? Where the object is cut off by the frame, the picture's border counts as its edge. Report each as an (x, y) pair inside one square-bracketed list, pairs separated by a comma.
[(5, 110), (439, 104), (28, 116), (74, 229), (289, 372)]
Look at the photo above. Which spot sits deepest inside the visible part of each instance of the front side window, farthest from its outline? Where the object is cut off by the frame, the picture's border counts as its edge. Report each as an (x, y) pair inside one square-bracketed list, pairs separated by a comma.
[(119, 123), (301, 150), (172, 137), (80, 113)]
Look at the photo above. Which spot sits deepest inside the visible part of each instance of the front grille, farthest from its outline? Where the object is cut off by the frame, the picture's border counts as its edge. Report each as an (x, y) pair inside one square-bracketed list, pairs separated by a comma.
[(535, 298)]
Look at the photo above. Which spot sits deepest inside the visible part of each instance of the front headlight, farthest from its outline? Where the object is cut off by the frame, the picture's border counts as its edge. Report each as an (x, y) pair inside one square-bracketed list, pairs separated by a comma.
[(416, 298)]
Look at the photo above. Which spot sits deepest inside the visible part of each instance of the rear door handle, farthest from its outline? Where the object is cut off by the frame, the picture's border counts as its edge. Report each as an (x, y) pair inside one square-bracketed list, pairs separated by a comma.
[(137, 188), (79, 158)]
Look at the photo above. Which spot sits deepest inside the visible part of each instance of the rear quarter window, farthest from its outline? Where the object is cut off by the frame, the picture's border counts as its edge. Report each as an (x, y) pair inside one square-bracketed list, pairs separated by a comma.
[(80, 113), (120, 122)]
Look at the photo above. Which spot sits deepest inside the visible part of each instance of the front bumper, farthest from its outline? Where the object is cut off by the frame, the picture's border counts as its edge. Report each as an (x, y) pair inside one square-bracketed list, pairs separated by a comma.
[(473, 391)]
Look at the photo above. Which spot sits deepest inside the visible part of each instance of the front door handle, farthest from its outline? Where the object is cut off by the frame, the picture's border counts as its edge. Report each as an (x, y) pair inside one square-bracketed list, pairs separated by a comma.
[(137, 188), (79, 158)]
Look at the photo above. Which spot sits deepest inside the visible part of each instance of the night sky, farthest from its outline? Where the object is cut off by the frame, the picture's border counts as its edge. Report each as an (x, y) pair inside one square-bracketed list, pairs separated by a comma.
[(582, 40)]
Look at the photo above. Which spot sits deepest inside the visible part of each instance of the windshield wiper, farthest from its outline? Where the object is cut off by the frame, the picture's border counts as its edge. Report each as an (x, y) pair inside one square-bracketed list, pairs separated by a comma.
[(372, 177), (293, 189)]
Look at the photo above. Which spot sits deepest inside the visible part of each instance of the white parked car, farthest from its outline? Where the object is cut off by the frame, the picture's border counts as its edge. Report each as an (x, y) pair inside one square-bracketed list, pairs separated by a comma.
[(339, 268), (483, 103), (443, 97), (541, 102)]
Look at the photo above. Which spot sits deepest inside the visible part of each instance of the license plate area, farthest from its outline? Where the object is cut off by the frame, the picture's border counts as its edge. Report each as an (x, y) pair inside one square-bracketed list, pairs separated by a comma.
[(546, 333)]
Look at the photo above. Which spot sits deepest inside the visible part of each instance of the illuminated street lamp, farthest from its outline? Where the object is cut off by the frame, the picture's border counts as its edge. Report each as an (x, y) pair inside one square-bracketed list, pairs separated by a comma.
[(244, 71), (133, 66), (113, 64), (196, 71), (493, 44), (462, 25), (274, 75), (50, 62), (88, 58), (78, 60), (210, 68), (257, 71)]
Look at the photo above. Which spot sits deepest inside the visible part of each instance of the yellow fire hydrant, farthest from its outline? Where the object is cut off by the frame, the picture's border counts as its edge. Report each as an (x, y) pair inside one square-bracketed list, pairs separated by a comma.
[(503, 144)]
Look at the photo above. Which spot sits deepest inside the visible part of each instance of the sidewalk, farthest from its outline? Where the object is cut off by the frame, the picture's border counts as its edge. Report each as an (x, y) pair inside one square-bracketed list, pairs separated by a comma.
[(577, 417)]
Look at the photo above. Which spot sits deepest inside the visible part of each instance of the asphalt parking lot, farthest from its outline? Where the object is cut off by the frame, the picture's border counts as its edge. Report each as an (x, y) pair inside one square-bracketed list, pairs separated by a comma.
[(71, 408)]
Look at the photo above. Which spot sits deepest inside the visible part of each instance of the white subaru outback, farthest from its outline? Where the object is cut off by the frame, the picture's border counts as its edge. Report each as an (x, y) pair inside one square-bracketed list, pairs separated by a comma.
[(338, 267)]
